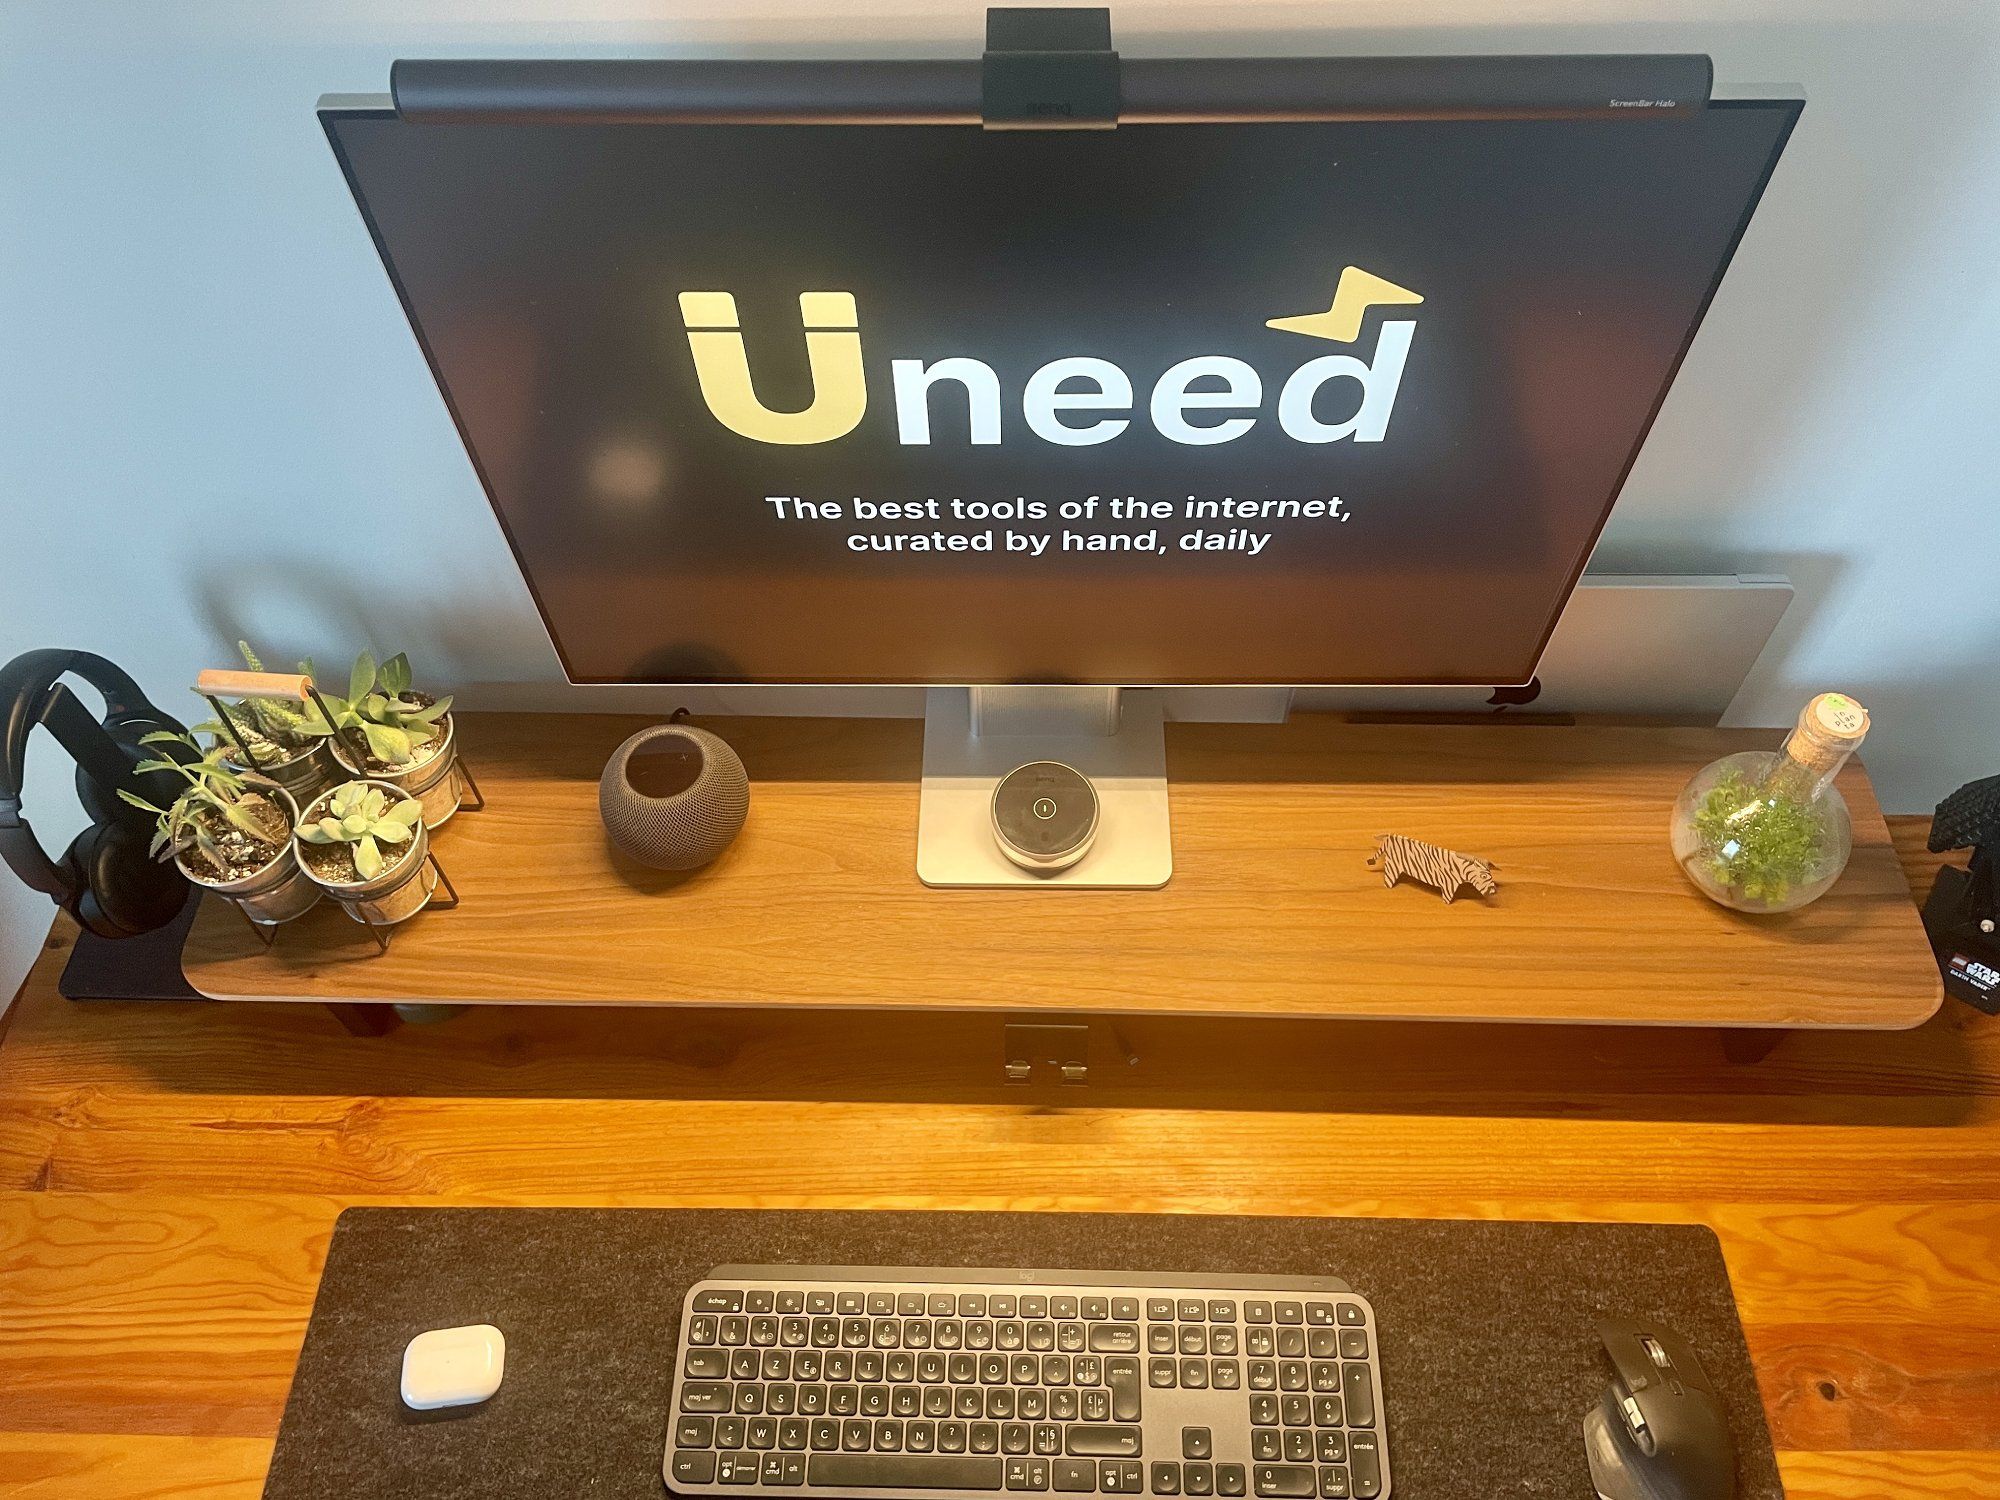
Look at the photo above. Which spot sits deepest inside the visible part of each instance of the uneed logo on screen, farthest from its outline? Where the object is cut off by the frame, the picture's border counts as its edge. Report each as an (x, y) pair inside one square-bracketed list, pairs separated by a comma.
[(1066, 401)]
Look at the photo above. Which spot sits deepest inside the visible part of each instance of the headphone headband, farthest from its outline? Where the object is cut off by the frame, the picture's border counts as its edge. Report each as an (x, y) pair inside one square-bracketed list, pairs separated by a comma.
[(25, 685)]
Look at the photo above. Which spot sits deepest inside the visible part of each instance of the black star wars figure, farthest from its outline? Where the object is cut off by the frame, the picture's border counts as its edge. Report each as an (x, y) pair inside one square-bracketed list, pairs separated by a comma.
[(1963, 912)]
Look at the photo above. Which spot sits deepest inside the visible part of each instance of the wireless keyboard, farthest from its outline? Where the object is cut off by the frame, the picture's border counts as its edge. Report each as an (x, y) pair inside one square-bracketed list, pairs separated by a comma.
[(925, 1384)]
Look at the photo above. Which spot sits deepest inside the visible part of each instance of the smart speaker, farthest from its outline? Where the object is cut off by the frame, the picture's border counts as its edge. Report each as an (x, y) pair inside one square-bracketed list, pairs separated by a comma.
[(673, 796), (1045, 815)]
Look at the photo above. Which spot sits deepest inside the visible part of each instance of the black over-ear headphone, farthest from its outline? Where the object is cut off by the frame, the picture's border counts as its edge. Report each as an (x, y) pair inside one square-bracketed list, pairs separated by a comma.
[(105, 878)]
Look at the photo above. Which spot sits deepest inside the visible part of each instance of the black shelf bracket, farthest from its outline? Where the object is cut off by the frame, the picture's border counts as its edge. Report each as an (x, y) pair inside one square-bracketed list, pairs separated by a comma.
[(1048, 69)]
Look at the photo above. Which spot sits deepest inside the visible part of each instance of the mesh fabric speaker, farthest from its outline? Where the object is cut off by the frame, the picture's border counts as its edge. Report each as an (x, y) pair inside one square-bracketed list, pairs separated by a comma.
[(690, 827)]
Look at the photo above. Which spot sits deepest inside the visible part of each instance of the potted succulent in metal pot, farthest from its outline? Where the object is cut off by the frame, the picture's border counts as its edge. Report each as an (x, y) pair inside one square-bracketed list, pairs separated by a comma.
[(364, 843), (268, 731), (387, 730), (229, 832)]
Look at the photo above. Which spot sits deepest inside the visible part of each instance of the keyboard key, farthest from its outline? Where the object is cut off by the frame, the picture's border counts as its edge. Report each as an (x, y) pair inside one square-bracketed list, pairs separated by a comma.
[(1034, 1305), (1122, 1376), (881, 1304), (1096, 1406), (714, 1301), (1161, 1372), (819, 1302), (1160, 1338), (1048, 1439), (791, 1302), (1353, 1343), (951, 1437), (1114, 1338), (878, 1471), (1194, 1374), (1289, 1312), (942, 1305), (888, 1436), (1320, 1314), (729, 1432), (694, 1468), (1073, 1474), (1159, 1309), (1028, 1474), (1103, 1442), (850, 1304), (1124, 1309), (1191, 1310), (701, 1330), (972, 1304), (1225, 1374), (1221, 1310), (1298, 1446), (1326, 1412), (1001, 1307), (1198, 1479), (763, 1433), (1256, 1312), (1062, 1307), (705, 1395), (1263, 1409), (1266, 1445), (707, 1364), (1014, 1437), (1333, 1483), (694, 1432), (733, 1468), (1360, 1398), (1229, 1480), (824, 1434), (1291, 1343), (1364, 1455), (1095, 1308), (1333, 1447), (1166, 1479), (1120, 1476), (1197, 1442), (1350, 1315), (985, 1437), (1292, 1481)]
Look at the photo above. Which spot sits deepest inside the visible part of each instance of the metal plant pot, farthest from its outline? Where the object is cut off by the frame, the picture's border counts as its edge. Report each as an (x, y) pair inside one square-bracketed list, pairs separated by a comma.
[(397, 894), (438, 783), (275, 894), (304, 776)]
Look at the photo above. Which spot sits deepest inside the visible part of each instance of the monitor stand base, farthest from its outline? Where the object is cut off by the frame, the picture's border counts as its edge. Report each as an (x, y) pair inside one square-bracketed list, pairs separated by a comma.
[(974, 736)]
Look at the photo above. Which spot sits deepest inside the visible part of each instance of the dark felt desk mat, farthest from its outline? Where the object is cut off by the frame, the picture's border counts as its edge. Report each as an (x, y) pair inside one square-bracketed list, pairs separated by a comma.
[(1488, 1347)]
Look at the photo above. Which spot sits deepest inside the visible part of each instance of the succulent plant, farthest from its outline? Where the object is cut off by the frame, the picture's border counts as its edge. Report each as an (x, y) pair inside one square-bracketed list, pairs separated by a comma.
[(396, 721), (282, 726), (217, 799), (362, 815)]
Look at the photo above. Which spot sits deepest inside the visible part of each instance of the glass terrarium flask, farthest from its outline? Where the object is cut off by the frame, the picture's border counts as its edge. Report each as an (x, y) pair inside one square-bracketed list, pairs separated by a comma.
[(1766, 831)]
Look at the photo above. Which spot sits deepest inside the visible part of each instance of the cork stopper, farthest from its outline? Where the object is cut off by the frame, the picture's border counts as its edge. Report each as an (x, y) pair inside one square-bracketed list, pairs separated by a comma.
[(1830, 729)]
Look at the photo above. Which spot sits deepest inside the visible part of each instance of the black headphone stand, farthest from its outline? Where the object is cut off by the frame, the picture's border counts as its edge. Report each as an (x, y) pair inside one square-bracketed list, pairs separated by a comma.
[(147, 967)]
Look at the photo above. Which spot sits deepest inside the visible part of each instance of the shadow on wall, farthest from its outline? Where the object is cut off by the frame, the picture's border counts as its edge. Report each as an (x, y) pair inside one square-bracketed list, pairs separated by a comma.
[(331, 615)]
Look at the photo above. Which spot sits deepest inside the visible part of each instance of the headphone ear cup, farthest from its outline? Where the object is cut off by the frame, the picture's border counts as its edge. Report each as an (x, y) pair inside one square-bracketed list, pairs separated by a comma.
[(103, 803), (123, 892)]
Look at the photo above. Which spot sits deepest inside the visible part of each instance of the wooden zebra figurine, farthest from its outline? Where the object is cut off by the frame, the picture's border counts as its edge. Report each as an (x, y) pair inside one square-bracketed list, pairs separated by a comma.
[(1444, 870)]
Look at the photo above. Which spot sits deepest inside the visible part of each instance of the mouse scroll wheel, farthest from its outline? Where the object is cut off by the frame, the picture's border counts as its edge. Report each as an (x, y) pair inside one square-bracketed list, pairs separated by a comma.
[(1634, 1418), (1656, 1352)]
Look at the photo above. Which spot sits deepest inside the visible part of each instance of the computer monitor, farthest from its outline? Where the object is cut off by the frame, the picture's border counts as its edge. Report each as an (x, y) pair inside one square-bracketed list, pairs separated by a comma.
[(1229, 401)]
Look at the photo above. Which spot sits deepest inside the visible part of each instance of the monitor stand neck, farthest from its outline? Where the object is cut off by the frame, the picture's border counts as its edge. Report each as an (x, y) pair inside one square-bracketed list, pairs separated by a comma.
[(1114, 736)]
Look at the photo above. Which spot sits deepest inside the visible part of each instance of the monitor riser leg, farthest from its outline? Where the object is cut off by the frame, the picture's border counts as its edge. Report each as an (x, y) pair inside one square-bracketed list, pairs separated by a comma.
[(1127, 765)]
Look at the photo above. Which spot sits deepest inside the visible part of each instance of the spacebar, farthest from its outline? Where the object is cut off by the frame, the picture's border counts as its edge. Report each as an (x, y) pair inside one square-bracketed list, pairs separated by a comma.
[(891, 1471)]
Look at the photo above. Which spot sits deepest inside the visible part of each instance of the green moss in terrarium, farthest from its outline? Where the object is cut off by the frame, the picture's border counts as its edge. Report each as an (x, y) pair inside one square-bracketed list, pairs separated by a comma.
[(1758, 846)]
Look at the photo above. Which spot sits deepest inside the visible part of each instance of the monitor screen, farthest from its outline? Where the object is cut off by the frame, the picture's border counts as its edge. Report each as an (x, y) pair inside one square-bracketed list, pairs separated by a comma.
[(1306, 403)]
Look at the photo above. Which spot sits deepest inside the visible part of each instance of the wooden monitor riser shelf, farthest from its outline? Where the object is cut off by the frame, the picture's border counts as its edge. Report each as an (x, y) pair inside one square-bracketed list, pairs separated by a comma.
[(1272, 910)]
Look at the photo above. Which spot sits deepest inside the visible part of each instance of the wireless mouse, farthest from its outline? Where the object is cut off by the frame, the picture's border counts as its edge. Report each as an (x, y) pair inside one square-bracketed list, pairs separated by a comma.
[(1658, 1432)]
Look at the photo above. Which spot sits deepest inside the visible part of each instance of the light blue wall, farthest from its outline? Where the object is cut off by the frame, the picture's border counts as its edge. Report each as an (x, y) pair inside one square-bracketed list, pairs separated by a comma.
[(214, 421)]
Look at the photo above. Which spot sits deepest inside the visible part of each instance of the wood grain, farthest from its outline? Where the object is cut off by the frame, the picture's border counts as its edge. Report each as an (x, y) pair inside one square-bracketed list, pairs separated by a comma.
[(169, 1177), (1272, 910)]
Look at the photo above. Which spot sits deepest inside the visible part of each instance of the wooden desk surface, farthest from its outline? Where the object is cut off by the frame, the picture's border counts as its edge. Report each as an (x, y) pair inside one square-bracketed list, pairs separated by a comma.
[(169, 1176), (1272, 910)]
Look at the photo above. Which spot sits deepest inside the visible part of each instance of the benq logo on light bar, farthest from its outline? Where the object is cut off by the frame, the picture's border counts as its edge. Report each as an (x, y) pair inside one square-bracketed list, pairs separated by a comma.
[(1060, 392)]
